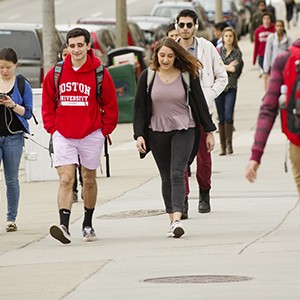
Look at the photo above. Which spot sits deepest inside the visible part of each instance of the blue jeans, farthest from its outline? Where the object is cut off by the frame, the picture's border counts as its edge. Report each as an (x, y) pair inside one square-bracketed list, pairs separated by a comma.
[(10, 153), (225, 103), (261, 61)]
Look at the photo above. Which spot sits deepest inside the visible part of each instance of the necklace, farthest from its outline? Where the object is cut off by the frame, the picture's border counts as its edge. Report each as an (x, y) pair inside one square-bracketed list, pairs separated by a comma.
[(168, 77)]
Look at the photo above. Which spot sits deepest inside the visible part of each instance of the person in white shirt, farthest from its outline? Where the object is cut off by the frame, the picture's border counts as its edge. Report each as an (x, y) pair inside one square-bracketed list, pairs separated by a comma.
[(213, 80)]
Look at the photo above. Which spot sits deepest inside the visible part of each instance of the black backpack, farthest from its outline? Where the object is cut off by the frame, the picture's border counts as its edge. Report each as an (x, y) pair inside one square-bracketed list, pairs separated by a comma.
[(21, 88)]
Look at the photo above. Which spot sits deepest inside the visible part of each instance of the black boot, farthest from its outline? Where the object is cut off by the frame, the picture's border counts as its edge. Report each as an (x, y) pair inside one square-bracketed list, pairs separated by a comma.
[(184, 214), (204, 201)]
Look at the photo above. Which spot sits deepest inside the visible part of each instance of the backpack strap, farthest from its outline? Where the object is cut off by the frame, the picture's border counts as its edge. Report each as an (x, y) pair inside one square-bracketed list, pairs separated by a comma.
[(150, 76), (99, 79), (107, 140), (57, 74), (186, 79), (21, 85)]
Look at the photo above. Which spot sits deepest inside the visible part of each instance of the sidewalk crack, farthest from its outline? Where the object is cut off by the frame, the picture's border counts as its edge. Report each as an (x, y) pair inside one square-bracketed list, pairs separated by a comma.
[(270, 231)]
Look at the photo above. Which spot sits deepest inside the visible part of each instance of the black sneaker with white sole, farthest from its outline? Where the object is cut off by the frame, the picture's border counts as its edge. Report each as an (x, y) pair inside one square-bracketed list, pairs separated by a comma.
[(60, 233)]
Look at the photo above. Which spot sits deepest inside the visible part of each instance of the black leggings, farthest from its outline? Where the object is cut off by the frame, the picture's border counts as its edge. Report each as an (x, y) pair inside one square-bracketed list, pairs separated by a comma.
[(171, 151)]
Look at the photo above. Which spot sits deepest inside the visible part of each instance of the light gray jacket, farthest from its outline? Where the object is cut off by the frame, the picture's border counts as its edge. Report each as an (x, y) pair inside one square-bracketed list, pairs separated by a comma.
[(213, 76)]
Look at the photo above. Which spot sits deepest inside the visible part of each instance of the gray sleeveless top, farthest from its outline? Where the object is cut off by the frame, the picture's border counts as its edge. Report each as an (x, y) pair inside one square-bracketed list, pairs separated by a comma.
[(169, 108)]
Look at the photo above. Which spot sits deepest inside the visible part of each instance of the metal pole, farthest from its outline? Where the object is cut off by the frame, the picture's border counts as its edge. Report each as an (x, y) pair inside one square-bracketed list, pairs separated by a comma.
[(121, 23), (219, 11)]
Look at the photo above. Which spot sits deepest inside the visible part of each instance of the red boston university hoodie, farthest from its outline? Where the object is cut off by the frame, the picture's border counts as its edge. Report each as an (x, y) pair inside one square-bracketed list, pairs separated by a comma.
[(76, 113), (260, 39)]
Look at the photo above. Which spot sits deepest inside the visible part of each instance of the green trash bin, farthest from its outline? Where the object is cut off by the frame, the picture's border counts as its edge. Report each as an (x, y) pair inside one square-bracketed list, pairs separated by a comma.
[(125, 80)]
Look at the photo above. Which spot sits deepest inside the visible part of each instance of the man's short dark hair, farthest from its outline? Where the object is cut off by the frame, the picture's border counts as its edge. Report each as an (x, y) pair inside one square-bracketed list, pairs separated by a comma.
[(266, 13), (261, 1), (78, 31), (220, 26), (187, 13)]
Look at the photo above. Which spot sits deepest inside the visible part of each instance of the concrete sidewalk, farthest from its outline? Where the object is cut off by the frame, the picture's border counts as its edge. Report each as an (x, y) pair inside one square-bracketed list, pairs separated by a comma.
[(248, 247)]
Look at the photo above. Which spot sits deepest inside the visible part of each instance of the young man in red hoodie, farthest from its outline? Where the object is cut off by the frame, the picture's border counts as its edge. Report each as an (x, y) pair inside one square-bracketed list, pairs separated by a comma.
[(72, 115), (260, 39)]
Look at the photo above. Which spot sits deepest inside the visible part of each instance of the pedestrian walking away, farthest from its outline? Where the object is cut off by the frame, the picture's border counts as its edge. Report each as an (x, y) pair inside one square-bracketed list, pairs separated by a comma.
[(168, 110), (256, 18), (79, 121), (213, 79), (289, 11), (15, 111), (225, 102), (269, 110)]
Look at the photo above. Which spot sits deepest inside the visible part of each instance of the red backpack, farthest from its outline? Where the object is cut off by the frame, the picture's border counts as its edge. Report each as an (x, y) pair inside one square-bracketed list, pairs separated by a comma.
[(290, 115)]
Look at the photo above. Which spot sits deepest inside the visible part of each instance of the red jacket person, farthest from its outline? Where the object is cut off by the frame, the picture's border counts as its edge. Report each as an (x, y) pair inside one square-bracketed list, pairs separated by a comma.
[(78, 125)]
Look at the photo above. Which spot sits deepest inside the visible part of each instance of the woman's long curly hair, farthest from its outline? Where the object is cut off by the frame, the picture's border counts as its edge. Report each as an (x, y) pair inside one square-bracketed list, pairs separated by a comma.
[(184, 60)]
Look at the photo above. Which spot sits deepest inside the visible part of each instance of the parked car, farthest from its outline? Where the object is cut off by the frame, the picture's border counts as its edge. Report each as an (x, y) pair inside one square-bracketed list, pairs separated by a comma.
[(230, 13), (154, 28), (135, 36), (27, 41), (170, 9), (102, 38)]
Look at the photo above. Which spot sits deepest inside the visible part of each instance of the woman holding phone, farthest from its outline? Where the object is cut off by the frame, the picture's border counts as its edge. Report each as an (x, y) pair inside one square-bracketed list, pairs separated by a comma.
[(15, 110)]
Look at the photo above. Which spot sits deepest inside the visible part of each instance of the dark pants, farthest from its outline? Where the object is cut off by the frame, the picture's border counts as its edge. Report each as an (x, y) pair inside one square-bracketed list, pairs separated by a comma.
[(261, 61), (171, 152)]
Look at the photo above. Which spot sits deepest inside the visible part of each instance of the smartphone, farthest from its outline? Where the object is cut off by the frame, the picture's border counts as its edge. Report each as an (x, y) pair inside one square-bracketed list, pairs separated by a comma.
[(2, 95)]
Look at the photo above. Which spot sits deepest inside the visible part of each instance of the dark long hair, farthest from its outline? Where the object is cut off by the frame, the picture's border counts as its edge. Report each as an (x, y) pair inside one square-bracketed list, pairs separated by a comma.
[(8, 54), (184, 61)]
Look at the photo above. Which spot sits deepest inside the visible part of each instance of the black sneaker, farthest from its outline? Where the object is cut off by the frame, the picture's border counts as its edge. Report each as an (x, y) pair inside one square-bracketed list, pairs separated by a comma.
[(60, 233)]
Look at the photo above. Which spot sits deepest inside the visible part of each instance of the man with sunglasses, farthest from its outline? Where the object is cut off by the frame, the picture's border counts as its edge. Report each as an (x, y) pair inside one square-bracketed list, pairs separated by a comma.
[(78, 122), (213, 79)]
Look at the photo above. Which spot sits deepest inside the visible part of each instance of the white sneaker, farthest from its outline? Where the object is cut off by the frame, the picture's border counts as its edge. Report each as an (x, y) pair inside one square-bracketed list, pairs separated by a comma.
[(89, 234), (170, 231), (177, 229)]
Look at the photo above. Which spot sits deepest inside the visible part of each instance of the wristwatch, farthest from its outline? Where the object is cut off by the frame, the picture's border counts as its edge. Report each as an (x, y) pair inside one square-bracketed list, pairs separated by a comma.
[(14, 106)]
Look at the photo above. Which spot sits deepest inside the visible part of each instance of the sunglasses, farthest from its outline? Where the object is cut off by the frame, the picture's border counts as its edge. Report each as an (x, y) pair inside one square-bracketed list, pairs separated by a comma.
[(188, 25)]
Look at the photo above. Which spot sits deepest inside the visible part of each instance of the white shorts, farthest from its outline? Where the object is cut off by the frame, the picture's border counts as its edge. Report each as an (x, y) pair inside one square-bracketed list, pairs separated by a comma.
[(88, 149)]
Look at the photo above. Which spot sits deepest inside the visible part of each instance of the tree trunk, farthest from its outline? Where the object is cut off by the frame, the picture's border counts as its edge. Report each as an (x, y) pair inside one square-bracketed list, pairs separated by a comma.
[(219, 11), (49, 46), (121, 23)]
